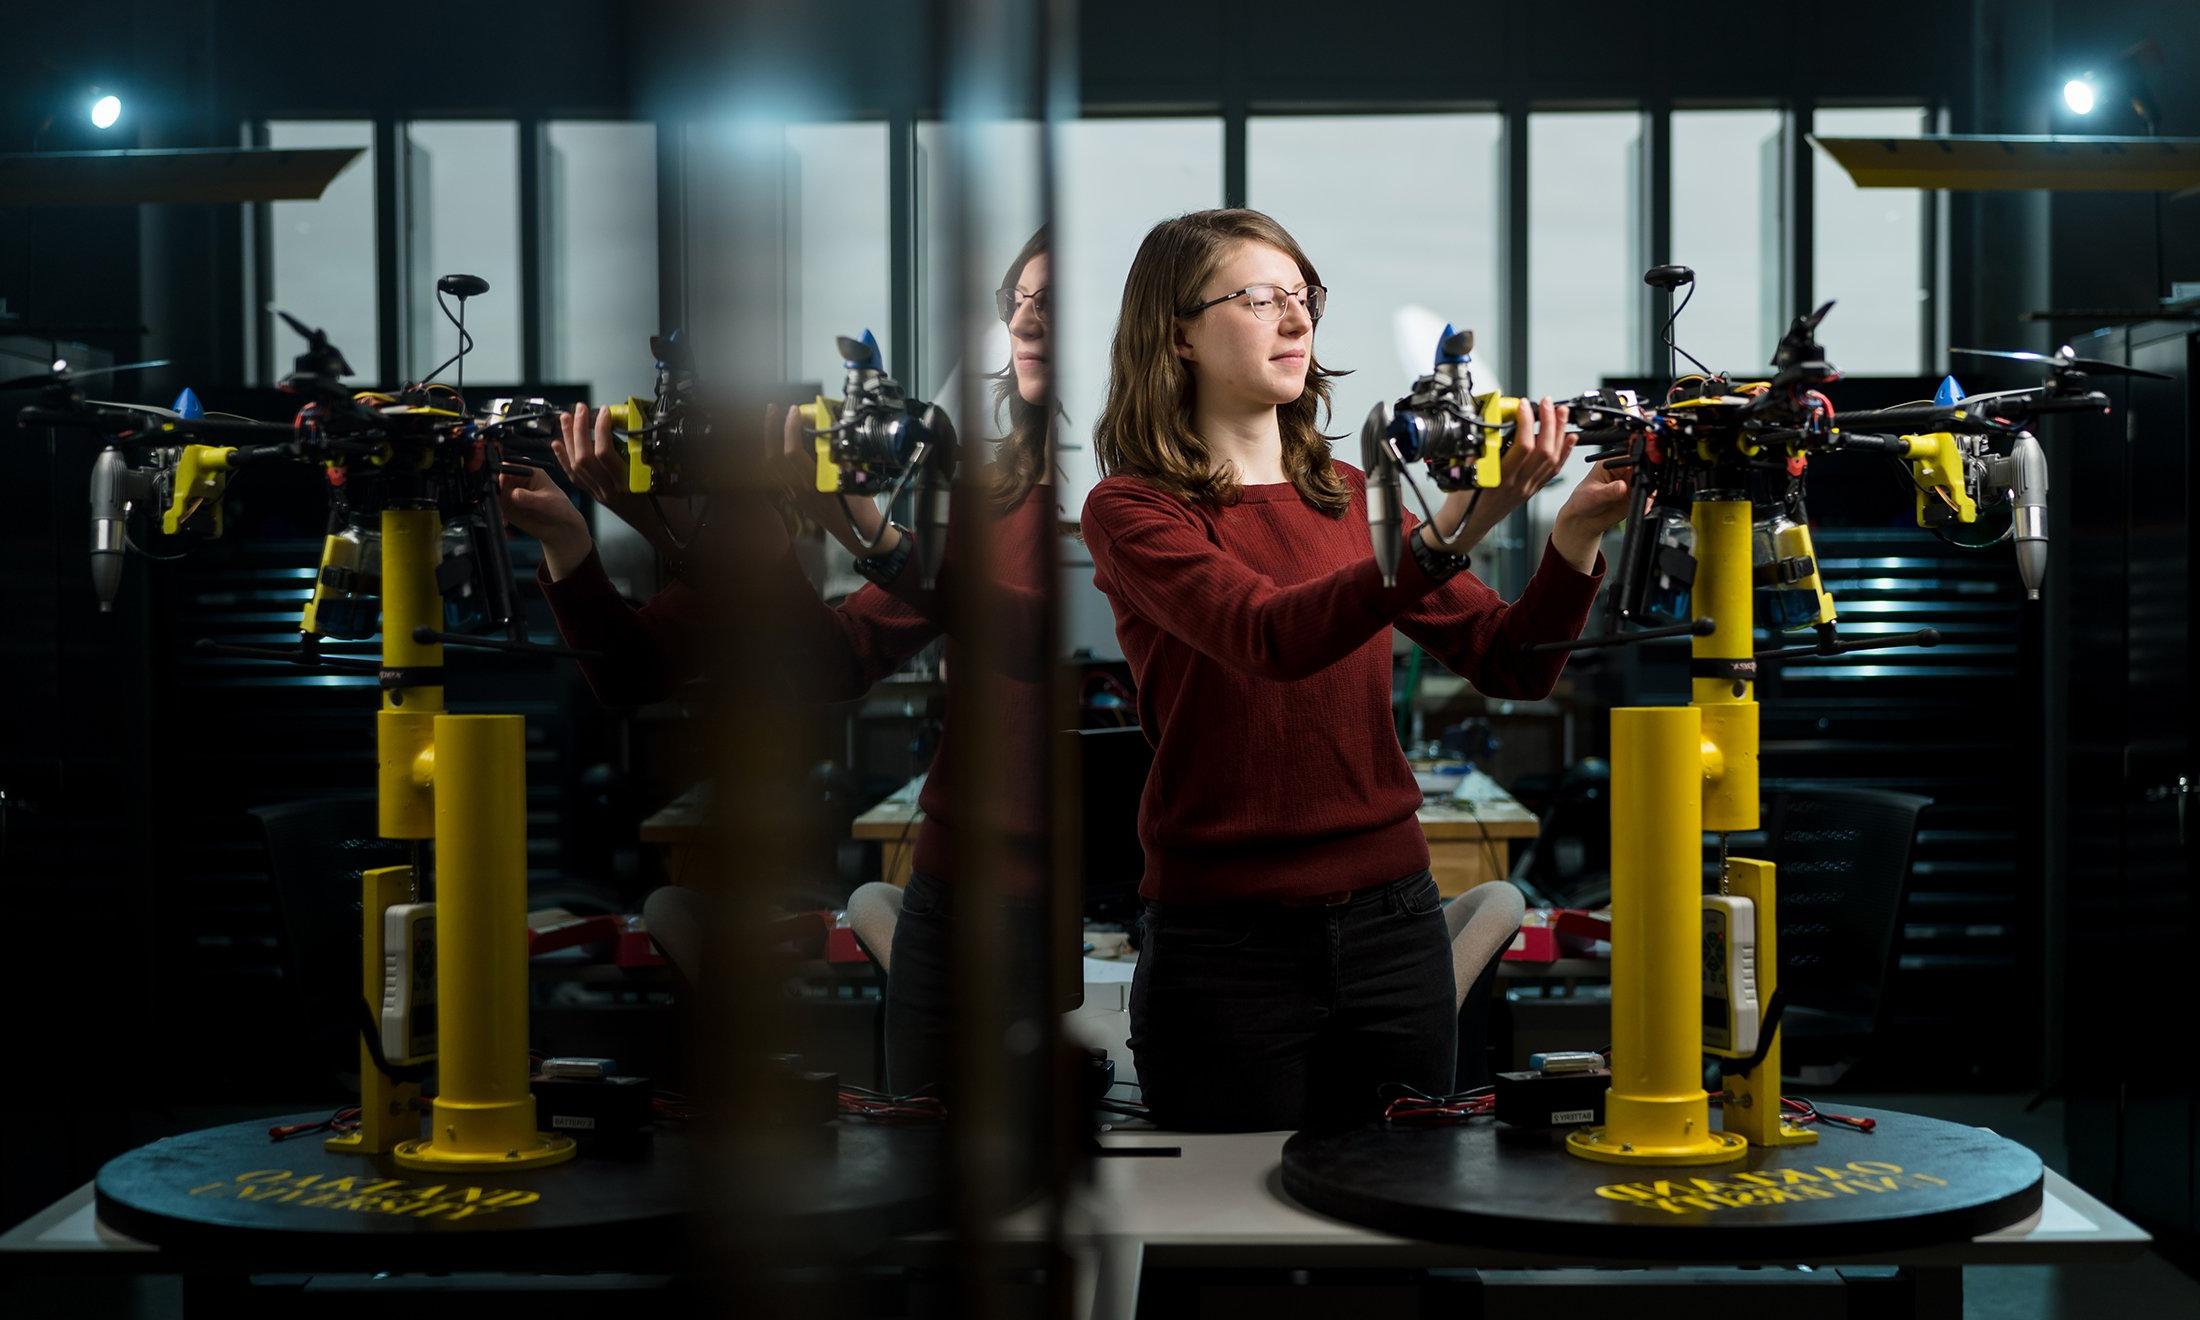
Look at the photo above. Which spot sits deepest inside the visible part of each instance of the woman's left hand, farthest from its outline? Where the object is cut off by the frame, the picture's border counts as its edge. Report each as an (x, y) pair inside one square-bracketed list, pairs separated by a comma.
[(1597, 504)]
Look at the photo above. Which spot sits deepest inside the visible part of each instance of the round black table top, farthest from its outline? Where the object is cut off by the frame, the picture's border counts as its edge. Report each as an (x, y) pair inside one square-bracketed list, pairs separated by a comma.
[(229, 1194), (1912, 1182)]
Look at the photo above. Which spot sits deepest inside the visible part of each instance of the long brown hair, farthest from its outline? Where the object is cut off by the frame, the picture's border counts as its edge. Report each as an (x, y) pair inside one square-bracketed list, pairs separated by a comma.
[(1023, 457), (1145, 429)]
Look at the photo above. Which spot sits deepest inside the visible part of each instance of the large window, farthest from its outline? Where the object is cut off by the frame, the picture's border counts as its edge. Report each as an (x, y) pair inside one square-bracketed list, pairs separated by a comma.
[(1400, 215), (462, 215), (837, 225), (1727, 209), (1868, 253), (320, 258), (600, 250), (999, 187), (1116, 179), (1584, 250)]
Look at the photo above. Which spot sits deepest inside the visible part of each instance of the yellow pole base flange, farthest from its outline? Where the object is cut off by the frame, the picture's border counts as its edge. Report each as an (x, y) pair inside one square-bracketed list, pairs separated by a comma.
[(1711, 1148), (540, 1151), (497, 1136)]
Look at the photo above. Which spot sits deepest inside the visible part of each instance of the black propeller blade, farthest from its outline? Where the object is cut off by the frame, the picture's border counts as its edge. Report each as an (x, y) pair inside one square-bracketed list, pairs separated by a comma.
[(64, 374), (2064, 361)]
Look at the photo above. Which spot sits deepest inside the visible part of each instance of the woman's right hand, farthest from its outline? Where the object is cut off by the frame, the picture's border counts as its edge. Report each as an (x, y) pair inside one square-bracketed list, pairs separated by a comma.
[(587, 453), (1540, 449), (536, 506)]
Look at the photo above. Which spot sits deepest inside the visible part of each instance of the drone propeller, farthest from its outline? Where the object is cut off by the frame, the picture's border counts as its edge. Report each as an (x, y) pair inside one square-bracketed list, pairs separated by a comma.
[(2065, 360), (321, 358), (60, 373)]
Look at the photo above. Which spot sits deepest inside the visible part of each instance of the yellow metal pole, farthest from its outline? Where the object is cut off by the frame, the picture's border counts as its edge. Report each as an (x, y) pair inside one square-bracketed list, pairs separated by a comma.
[(484, 1115), (1677, 772), (405, 798), (412, 541), (1730, 709), (1753, 1104), (1657, 1111), (1723, 681)]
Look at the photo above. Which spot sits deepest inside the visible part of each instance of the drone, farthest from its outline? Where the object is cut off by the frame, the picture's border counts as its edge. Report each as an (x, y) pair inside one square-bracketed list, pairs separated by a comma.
[(875, 440)]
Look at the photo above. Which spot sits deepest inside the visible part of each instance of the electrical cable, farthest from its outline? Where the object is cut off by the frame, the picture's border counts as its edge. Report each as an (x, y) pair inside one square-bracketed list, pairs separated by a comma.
[(1498, 871), (918, 1107), (371, 1032), (656, 506), (1409, 1105), (1672, 347), (465, 346), (343, 1122)]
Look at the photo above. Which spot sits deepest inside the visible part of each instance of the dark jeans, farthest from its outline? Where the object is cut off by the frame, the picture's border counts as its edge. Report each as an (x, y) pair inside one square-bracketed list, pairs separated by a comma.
[(920, 985), (1255, 1016)]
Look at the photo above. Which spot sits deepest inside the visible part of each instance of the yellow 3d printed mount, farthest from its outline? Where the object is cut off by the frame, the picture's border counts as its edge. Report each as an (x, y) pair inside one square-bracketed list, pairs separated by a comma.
[(461, 781), (1677, 772)]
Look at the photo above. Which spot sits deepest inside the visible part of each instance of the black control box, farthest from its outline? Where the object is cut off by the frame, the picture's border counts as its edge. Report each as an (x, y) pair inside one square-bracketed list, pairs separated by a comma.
[(1552, 1100)]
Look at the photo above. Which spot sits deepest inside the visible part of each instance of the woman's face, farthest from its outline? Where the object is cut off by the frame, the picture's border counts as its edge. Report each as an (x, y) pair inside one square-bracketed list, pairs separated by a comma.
[(1233, 354), (1027, 333)]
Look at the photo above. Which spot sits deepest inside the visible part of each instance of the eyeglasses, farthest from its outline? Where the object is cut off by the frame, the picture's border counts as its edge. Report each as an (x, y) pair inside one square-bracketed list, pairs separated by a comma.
[(1006, 301), (1267, 301)]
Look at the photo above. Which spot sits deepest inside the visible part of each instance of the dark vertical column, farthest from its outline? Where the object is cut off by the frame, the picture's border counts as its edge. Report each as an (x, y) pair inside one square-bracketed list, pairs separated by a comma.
[(901, 198), (1800, 190), (1233, 110), (389, 247), (1516, 558), (671, 225), (534, 271), (1656, 229), (259, 322)]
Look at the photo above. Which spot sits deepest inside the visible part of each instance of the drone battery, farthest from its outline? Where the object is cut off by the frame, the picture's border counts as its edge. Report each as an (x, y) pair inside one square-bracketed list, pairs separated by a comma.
[(1730, 1007), (1667, 573), (607, 1114), (1552, 1100), (578, 1068), (1565, 1061), (407, 1019)]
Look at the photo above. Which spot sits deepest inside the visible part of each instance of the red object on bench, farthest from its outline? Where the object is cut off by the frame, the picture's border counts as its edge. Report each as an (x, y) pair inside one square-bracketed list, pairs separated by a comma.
[(552, 929), (1548, 934)]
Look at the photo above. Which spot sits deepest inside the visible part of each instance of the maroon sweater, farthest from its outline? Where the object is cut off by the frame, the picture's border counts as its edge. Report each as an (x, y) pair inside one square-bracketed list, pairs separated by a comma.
[(1259, 635), (836, 653)]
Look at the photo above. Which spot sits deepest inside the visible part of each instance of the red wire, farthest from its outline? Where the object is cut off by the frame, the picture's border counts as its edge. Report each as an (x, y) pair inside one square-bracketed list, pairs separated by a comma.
[(892, 1108), (1434, 1110), (342, 1121)]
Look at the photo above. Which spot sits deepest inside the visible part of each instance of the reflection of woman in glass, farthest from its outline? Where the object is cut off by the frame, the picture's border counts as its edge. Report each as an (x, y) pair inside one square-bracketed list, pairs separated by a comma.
[(838, 653), (1295, 958)]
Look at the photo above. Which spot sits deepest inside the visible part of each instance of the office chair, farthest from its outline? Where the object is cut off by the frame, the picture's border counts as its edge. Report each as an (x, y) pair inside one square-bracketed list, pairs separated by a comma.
[(1481, 923), (873, 912), (1844, 869)]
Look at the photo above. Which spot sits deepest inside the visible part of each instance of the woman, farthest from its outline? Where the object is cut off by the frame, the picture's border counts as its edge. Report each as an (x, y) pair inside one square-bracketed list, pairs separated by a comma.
[(839, 653), (1295, 957)]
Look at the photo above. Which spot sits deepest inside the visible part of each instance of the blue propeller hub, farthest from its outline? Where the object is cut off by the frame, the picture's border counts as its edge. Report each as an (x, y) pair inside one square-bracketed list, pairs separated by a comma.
[(1949, 394), (869, 356), (1448, 352), (188, 407)]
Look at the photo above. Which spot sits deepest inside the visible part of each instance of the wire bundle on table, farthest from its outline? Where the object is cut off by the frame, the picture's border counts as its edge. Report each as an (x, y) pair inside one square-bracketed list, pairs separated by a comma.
[(1412, 1106), (879, 1107), (343, 1122)]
